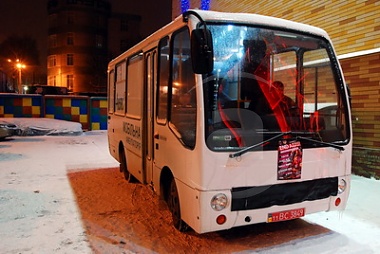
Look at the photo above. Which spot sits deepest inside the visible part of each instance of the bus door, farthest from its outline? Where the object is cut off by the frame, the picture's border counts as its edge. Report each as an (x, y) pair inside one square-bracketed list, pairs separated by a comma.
[(150, 79), (161, 105), (111, 110)]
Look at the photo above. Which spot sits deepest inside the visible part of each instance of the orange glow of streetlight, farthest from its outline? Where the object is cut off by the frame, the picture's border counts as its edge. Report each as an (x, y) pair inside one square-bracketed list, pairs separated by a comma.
[(19, 66)]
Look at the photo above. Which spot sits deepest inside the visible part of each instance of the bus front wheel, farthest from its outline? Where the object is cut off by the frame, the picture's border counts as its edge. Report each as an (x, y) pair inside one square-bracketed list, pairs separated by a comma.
[(174, 207), (124, 169)]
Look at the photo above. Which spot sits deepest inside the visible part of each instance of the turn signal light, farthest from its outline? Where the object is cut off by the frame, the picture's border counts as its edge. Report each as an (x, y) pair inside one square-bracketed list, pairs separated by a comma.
[(221, 219), (337, 201)]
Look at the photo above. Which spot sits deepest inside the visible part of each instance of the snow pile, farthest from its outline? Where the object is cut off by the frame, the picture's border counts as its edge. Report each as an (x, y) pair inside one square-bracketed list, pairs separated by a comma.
[(65, 194), (44, 126)]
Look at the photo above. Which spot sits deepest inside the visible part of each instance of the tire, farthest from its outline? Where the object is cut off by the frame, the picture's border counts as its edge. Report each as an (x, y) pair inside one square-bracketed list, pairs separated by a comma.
[(174, 207), (124, 169)]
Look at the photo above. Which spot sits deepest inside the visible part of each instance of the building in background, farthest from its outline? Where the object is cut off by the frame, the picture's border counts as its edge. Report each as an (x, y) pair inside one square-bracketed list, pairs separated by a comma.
[(77, 44), (123, 32), (80, 35), (355, 31)]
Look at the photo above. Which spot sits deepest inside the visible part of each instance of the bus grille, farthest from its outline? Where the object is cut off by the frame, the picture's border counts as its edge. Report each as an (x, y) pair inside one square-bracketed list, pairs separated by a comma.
[(247, 198)]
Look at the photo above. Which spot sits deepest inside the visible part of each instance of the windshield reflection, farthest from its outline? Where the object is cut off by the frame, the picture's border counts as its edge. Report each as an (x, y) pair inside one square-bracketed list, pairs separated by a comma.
[(267, 82)]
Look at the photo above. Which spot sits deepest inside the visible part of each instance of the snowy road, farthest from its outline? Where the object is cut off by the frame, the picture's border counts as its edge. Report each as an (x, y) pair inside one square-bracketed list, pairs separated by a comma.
[(44, 210)]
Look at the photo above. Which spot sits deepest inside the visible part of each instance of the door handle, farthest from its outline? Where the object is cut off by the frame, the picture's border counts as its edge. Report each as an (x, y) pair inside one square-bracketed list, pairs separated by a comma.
[(156, 136)]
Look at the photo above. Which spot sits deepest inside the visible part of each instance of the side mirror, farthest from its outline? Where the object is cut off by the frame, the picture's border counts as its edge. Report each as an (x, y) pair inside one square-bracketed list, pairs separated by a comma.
[(202, 52)]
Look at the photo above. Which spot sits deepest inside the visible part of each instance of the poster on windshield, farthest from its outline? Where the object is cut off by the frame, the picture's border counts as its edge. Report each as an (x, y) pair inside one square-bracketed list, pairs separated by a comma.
[(289, 160)]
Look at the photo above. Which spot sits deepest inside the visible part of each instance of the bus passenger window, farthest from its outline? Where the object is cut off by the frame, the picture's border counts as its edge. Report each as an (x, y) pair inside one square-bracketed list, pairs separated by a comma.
[(162, 91), (120, 103)]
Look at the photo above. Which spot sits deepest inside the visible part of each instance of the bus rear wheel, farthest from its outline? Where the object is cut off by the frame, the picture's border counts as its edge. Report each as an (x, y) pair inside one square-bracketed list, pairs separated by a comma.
[(174, 207), (124, 169)]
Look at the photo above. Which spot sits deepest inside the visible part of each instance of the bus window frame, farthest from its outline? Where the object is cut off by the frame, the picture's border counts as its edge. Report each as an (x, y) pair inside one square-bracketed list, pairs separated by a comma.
[(120, 112), (173, 126), (159, 99), (111, 85), (137, 57)]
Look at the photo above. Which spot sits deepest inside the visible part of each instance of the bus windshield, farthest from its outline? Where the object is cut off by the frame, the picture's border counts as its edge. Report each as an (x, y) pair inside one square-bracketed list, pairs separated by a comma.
[(266, 82)]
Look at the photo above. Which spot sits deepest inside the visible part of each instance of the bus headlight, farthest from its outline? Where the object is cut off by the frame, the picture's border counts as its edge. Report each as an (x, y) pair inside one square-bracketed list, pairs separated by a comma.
[(341, 186), (219, 202)]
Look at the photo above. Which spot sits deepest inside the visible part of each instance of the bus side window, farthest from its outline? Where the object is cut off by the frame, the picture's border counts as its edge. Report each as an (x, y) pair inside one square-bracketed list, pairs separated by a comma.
[(162, 91), (183, 101), (120, 105), (111, 91)]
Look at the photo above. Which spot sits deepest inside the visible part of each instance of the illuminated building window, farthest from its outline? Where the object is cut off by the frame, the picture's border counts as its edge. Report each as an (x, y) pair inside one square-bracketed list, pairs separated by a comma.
[(70, 39), (52, 61), (70, 81), (70, 59)]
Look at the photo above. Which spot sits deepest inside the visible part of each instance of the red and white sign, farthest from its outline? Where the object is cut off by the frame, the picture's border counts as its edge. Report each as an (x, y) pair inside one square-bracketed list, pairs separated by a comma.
[(289, 160)]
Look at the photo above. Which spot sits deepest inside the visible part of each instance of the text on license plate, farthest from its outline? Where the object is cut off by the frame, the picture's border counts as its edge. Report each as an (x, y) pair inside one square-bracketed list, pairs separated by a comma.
[(286, 215)]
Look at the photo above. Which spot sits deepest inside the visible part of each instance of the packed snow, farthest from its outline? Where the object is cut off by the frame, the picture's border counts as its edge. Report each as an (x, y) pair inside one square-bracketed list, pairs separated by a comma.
[(39, 211), (44, 126)]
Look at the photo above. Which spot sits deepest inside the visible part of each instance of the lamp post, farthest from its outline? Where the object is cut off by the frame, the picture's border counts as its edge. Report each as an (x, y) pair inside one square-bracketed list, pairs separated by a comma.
[(19, 66)]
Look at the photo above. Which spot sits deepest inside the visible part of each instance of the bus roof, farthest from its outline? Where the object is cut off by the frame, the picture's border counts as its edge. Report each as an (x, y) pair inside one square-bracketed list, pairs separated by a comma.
[(257, 19), (227, 17)]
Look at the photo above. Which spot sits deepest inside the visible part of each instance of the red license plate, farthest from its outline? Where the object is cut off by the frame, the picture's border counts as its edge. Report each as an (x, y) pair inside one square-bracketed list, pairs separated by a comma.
[(286, 215)]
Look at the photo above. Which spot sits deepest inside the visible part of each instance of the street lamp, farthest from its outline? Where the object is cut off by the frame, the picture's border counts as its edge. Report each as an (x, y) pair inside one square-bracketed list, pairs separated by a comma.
[(19, 66)]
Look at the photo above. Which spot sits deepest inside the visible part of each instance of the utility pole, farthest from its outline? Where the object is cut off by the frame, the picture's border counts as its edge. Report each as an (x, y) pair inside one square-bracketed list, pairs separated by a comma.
[(19, 66)]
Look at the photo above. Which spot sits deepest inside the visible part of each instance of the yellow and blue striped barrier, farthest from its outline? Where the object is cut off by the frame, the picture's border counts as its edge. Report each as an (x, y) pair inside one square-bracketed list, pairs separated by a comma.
[(91, 112), (14, 105)]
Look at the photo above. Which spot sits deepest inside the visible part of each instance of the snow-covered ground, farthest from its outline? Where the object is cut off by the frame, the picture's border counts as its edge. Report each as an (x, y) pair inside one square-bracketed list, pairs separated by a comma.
[(356, 230), (39, 213)]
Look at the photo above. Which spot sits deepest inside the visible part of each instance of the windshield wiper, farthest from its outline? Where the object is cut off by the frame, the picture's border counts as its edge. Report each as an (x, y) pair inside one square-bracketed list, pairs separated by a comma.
[(340, 148), (247, 149)]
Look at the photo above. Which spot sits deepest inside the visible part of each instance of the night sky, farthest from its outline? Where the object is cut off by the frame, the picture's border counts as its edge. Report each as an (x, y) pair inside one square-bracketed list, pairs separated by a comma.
[(29, 17)]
